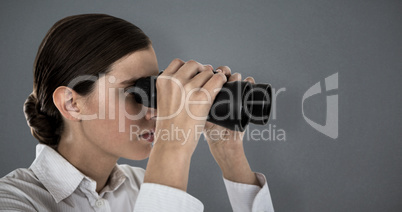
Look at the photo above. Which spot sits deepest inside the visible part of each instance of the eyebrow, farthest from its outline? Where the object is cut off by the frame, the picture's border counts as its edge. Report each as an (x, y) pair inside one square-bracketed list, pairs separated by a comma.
[(129, 81), (132, 80)]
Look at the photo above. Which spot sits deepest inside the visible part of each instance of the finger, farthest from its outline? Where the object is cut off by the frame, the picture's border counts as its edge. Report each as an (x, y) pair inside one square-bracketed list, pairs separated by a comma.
[(210, 66), (235, 77), (200, 79), (214, 84), (226, 70), (250, 79), (206, 67), (189, 70), (173, 67)]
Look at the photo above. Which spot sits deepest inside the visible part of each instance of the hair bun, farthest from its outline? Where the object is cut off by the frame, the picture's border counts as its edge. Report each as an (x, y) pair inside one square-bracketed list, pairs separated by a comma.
[(43, 127)]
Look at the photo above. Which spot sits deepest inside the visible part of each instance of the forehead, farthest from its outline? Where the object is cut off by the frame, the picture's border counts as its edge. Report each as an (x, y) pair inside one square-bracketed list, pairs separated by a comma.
[(139, 64)]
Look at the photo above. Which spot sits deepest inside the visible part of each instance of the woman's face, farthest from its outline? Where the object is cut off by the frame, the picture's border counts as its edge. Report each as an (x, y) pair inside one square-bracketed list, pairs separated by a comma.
[(120, 121)]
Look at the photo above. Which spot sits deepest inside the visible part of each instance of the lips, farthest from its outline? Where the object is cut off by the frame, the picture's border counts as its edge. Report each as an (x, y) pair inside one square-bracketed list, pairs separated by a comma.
[(149, 136)]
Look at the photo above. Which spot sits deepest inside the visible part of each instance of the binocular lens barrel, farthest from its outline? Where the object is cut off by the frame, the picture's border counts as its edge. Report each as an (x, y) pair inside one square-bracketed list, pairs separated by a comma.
[(236, 105)]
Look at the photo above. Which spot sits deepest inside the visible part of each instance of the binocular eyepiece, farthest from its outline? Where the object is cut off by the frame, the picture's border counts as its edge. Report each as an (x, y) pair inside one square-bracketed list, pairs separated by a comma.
[(236, 105)]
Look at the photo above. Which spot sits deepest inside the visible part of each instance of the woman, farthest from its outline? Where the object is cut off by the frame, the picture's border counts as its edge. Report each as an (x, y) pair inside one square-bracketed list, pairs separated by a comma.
[(85, 120)]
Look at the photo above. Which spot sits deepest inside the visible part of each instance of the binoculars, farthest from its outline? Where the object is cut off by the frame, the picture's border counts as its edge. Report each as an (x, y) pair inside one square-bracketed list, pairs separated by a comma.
[(236, 105)]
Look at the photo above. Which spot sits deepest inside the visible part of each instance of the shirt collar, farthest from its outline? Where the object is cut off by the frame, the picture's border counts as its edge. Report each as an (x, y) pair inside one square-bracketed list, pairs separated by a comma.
[(61, 178), (116, 178)]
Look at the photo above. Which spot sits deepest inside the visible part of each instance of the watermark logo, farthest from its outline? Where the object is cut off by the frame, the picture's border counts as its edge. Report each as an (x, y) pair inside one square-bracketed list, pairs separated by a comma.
[(330, 128), (119, 99)]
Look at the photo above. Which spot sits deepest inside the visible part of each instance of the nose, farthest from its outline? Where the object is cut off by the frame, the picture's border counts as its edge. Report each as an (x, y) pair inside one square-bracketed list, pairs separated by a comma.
[(151, 113)]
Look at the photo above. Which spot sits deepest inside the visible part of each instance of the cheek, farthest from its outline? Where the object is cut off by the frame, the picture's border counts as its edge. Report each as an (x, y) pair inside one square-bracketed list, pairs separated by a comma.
[(106, 124), (133, 114), (121, 114), (117, 118), (131, 107)]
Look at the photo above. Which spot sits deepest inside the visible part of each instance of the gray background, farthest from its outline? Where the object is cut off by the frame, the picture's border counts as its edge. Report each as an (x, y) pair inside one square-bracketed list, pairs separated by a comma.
[(290, 44)]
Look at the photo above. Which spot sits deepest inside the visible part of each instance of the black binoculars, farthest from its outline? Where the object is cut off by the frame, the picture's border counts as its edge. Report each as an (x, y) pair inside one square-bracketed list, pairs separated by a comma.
[(236, 105)]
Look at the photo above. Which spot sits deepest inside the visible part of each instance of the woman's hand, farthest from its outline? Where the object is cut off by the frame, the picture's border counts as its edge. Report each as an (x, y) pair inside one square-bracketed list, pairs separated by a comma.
[(180, 116), (226, 145)]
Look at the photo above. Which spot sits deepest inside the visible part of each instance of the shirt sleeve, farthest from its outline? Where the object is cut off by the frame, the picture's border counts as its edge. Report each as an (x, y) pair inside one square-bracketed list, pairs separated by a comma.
[(11, 201), (155, 198), (245, 197)]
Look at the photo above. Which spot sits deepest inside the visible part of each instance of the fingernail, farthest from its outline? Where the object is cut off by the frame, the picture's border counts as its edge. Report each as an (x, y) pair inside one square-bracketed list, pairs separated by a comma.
[(218, 70)]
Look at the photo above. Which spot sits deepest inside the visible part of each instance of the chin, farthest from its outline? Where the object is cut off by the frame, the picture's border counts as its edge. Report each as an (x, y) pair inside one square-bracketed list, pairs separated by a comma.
[(138, 155), (136, 158)]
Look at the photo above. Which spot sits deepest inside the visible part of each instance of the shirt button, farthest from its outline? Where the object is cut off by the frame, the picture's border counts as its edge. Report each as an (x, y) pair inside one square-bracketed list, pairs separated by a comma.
[(99, 203)]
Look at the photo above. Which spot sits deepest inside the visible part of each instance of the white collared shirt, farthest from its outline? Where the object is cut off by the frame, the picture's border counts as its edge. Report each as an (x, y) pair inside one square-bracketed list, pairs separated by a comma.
[(53, 184)]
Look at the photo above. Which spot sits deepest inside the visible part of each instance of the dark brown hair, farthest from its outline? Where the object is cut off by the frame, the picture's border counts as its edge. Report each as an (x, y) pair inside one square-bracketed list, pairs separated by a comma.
[(75, 46)]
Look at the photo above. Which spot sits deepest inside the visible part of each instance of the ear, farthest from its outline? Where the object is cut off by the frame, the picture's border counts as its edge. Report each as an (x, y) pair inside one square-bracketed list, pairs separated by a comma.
[(65, 100)]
